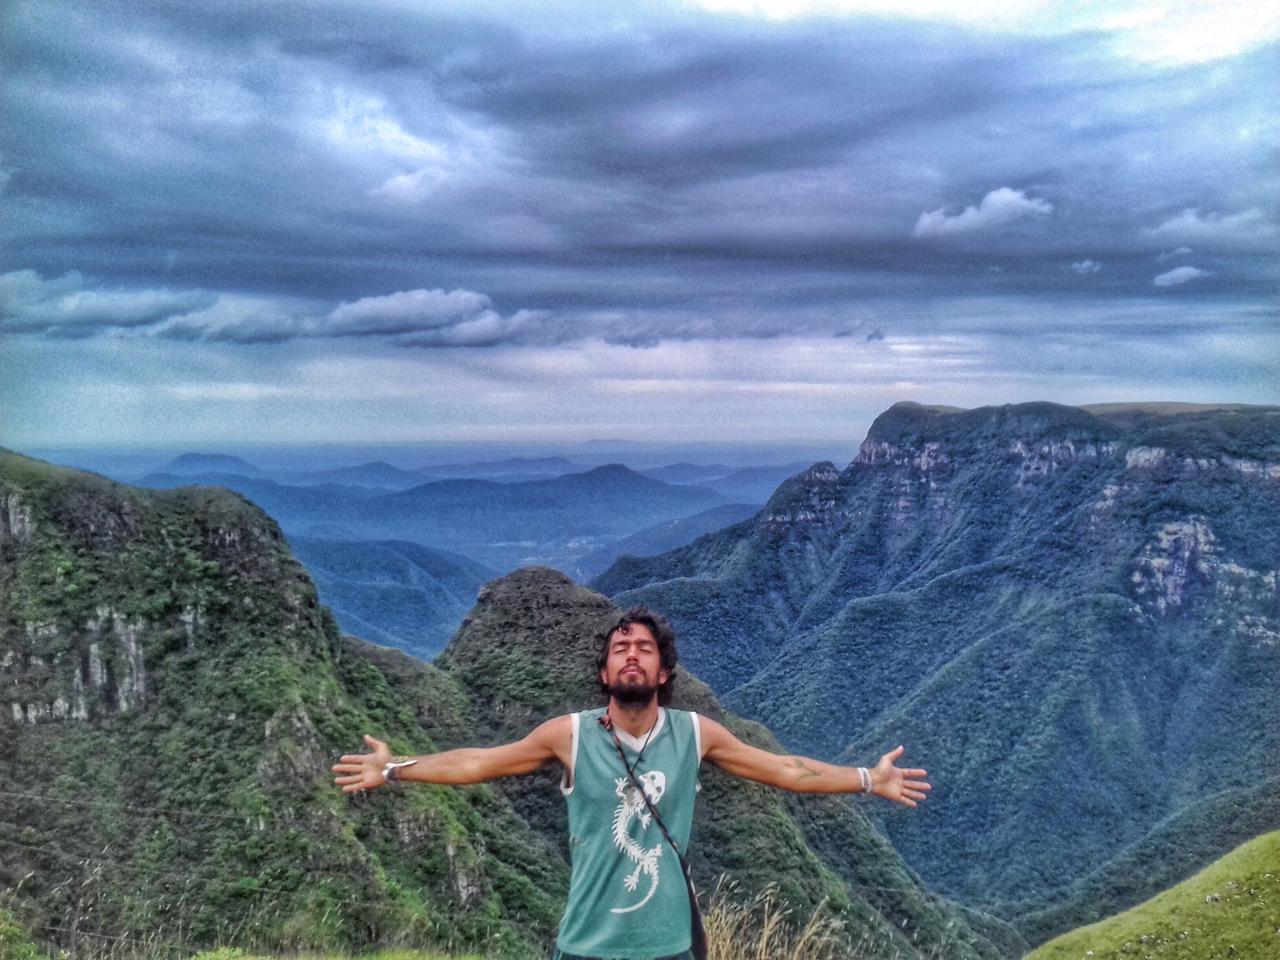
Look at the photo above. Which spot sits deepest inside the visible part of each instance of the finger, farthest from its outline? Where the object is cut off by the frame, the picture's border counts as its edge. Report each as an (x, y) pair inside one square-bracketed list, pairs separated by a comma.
[(896, 752), (353, 788), (353, 779), (352, 758), (917, 774), (917, 784), (913, 794), (374, 742), (347, 767), (906, 802)]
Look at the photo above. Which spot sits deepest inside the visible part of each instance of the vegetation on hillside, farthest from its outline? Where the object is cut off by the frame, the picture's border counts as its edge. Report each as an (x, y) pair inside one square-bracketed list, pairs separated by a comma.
[(1228, 911), (1069, 618), (168, 726)]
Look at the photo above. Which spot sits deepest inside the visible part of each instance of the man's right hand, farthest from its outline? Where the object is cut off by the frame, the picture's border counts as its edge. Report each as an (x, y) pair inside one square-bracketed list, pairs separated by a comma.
[(363, 771)]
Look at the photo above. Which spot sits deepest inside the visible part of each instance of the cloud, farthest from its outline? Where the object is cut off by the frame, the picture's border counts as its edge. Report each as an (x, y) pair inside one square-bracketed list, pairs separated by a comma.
[(486, 329), (405, 311), (1180, 275), (64, 308), (241, 319), (1173, 254), (1247, 228), (1000, 206), (430, 318), (1172, 32), (696, 175), (1084, 267)]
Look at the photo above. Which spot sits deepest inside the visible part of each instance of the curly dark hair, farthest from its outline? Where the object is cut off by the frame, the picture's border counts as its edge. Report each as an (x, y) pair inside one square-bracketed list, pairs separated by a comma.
[(662, 632)]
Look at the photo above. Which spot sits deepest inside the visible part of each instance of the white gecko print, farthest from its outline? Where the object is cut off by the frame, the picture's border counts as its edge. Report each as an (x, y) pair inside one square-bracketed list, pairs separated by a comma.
[(632, 806)]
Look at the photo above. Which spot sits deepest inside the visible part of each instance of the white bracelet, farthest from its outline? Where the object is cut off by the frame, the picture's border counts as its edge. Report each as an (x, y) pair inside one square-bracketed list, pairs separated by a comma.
[(864, 775), (391, 772)]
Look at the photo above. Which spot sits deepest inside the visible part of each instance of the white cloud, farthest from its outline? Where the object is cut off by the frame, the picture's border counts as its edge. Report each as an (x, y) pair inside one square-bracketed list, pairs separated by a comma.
[(483, 330), (362, 125), (406, 311), (1171, 32), (236, 318), (1247, 228), (1173, 254), (64, 307), (1083, 267), (1180, 275), (1000, 206)]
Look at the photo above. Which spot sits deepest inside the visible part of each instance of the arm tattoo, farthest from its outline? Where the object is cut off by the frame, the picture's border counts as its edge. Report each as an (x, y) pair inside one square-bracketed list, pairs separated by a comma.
[(800, 765)]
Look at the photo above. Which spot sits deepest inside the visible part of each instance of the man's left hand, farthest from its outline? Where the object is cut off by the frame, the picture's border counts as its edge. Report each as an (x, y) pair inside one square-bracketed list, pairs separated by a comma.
[(905, 786)]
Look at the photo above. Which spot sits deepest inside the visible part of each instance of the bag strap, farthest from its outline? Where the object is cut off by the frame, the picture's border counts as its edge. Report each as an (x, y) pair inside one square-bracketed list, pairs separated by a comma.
[(653, 811)]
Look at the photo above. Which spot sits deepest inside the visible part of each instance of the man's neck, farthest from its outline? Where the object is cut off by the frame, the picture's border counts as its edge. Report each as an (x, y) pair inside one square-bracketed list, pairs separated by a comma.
[(636, 720)]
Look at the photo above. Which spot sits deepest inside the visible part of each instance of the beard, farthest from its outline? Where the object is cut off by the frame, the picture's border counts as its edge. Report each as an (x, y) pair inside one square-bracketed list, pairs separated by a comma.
[(632, 693)]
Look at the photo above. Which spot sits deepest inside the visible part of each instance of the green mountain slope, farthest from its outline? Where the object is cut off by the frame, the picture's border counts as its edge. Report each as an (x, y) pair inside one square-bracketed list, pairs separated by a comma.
[(1229, 909), (392, 592), (665, 536), (815, 848), (1185, 842), (173, 695), (1068, 617)]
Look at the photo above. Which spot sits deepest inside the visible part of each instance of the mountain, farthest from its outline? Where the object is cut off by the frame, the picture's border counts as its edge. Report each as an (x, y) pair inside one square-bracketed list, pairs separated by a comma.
[(815, 848), (501, 525), (754, 484), (527, 467), (745, 484), (175, 694), (685, 472), (1070, 618), (1225, 910), (664, 536), (189, 463), (1182, 844), (377, 474), (393, 592)]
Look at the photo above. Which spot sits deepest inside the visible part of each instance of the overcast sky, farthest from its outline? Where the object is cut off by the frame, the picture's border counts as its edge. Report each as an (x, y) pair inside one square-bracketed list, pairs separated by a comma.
[(383, 221)]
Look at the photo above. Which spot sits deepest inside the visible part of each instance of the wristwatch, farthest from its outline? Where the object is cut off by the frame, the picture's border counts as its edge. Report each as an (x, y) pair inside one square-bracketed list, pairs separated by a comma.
[(391, 772)]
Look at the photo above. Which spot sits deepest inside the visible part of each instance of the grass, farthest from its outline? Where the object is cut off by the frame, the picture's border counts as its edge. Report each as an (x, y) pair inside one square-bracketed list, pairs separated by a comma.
[(758, 928), (762, 929), (1231, 909)]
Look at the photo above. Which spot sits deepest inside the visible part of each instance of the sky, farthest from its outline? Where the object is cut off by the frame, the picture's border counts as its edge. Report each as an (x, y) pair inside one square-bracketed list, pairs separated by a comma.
[(729, 221)]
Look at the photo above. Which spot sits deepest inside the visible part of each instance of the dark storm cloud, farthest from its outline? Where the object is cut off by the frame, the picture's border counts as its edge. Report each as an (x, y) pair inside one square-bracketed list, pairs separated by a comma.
[(695, 177)]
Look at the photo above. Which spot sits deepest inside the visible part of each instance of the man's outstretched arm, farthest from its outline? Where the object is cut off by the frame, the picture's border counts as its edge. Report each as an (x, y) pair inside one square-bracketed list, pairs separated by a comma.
[(804, 775), (550, 741)]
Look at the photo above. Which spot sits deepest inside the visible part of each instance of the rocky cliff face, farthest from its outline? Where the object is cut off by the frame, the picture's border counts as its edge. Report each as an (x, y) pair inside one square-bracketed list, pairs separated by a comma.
[(1066, 615)]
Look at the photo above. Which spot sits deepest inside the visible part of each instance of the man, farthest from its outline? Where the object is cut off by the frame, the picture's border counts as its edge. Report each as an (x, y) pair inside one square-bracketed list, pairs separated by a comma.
[(627, 896)]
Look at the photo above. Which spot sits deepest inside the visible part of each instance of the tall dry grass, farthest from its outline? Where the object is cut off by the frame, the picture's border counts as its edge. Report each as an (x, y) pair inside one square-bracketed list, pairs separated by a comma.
[(761, 928)]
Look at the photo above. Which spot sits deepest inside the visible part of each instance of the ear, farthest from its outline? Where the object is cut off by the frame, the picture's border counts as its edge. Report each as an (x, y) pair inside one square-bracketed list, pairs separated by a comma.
[(604, 676), (662, 677)]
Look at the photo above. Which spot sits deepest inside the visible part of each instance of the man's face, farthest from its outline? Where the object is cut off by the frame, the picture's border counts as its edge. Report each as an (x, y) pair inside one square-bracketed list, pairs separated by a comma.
[(633, 671)]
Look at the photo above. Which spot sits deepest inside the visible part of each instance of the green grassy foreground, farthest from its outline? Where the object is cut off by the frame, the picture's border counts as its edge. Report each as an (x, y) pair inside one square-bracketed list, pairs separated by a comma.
[(1230, 909), (234, 954)]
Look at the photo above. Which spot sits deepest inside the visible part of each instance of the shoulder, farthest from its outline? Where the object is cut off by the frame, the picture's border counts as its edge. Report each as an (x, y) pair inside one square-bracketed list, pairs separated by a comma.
[(690, 724), (554, 737), (556, 729)]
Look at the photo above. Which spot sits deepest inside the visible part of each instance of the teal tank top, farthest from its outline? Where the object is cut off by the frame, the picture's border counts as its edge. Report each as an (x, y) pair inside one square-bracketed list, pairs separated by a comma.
[(627, 895)]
